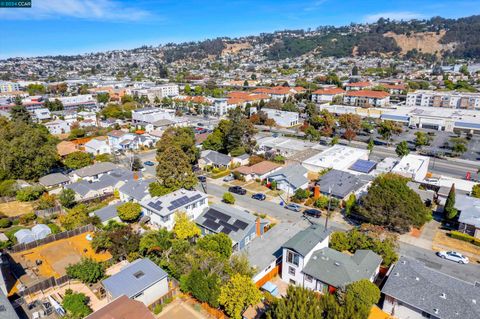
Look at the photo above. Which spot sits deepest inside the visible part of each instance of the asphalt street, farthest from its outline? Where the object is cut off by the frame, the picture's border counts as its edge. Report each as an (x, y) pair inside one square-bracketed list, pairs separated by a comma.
[(464, 272)]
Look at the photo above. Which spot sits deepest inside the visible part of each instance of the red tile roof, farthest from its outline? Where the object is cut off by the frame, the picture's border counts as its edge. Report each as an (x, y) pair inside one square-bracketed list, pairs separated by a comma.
[(332, 91), (359, 84), (368, 93), (395, 87)]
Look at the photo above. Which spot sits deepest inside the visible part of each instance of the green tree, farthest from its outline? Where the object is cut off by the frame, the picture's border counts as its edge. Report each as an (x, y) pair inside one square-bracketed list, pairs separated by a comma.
[(87, 271), (459, 145), (370, 146), (55, 105), (421, 139), (449, 208), (182, 137), (476, 191), (19, 113), (76, 217), (203, 285), (67, 198), (312, 134), (187, 89), (103, 158), (350, 204), (228, 198), (185, 228), (174, 170), (392, 204), (360, 296), (237, 294), (402, 149), (129, 212), (78, 160), (76, 305), (389, 128), (155, 242), (214, 141), (103, 97), (30, 193), (219, 243), (240, 132)]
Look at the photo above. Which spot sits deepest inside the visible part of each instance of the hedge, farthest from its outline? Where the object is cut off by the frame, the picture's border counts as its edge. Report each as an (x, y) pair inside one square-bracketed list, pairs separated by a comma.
[(465, 237), (221, 174)]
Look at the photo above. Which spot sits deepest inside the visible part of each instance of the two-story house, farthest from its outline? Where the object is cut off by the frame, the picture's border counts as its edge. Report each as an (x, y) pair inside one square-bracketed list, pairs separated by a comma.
[(119, 140), (161, 210)]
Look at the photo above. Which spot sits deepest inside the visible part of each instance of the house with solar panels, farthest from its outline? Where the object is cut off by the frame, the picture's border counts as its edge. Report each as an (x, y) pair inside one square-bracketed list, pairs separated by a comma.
[(241, 226), (161, 209)]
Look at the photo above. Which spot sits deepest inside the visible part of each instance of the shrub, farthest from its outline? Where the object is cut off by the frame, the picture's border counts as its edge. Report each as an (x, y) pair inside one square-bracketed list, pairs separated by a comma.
[(220, 174), (87, 271), (157, 309), (46, 201), (27, 218), (239, 176), (5, 223), (67, 198), (129, 212), (54, 228), (31, 193), (321, 202), (8, 188), (228, 198), (461, 236), (76, 304), (301, 194)]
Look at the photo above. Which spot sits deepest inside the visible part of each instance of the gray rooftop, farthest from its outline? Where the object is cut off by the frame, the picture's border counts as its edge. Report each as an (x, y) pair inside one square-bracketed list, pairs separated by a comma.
[(412, 283), (95, 169), (170, 203), (137, 189), (134, 278), (82, 187), (53, 179), (338, 269), (469, 208), (222, 218), (304, 241), (6, 308), (262, 251), (108, 212), (342, 183), (214, 157), (294, 174)]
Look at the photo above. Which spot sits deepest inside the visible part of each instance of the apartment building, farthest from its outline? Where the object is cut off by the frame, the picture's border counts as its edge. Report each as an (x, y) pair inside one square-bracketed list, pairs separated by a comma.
[(6, 86), (366, 98), (160, 92), (448, 99)]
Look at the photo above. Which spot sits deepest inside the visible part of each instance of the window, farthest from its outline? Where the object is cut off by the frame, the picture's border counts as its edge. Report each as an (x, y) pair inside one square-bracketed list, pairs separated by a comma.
[(247, 240), (292, 282), (293, 258), (291, 271), (308, 278)]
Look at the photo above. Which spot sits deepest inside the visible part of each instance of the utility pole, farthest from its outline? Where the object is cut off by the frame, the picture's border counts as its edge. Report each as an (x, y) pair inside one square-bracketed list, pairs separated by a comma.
[(328, 208)]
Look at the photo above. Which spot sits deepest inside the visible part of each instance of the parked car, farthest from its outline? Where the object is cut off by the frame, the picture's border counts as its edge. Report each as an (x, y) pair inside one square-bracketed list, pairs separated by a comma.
[(294, 207), (149, 163), (228, 178), (237, 190), (453, 256), (259, 196), (312, 213), (202, 179)]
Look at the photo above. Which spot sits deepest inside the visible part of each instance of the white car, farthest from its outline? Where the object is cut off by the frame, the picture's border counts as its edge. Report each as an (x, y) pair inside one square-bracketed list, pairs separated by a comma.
[(453, 256)]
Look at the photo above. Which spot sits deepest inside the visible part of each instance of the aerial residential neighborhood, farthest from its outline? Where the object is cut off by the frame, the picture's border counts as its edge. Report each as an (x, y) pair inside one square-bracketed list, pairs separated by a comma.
[(244, 160)]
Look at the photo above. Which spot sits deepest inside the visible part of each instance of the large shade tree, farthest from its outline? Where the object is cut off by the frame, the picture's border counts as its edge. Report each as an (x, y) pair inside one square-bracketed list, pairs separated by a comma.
[(392, 204)]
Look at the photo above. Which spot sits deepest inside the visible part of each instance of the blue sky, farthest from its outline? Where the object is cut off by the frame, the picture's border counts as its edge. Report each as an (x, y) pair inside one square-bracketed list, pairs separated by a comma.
[(79, 26)]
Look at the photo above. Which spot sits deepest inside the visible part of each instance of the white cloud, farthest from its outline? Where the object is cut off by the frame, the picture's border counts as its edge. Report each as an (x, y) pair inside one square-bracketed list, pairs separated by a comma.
[(315, 5), (106, 10), (393, 15)]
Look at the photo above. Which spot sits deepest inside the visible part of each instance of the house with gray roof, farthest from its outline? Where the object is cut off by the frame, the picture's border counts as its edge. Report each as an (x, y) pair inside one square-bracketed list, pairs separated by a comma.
[(141, 280), (413, 290), (290, 178), (469, 214), (54, 180), (107, 213), (214, 158), (341, 184), (92, 172), (240, 226), (161, 210), (264, 253), (135, 190), (297, 251), (328, 269)]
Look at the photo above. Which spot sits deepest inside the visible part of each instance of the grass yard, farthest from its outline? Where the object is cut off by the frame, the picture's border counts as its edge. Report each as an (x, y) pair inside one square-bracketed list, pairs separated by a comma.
[(16, 208)]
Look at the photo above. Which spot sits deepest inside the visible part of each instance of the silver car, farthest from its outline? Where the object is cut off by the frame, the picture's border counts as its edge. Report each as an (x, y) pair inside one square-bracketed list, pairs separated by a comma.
[(453, 256)]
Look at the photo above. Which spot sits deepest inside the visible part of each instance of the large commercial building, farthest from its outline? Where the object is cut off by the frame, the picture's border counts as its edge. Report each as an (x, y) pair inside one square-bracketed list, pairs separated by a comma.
[(159, 92), (449, 99), (9, 86)]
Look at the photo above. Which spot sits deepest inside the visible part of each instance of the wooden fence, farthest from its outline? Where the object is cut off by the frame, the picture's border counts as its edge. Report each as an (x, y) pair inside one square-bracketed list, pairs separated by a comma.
[(66, 234), (49, 211)]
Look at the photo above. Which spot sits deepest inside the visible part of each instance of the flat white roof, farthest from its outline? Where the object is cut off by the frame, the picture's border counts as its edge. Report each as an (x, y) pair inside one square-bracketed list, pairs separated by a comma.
[(337, 157), (411, 164)]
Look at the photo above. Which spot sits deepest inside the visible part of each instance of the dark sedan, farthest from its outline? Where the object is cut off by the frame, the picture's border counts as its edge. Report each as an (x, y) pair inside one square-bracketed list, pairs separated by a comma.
[(259, 196), (312, 213), (237, 190)]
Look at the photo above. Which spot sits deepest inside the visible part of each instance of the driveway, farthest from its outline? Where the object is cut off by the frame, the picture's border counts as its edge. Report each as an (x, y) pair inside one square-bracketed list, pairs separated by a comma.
[(180, 310)]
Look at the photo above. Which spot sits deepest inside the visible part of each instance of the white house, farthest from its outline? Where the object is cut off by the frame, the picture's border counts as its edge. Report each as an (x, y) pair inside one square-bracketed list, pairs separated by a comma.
[(98, 146), (282, 118), (326, 95), (290, 178), (141, 280), (364, 98), (412, 166), (161, 210), (120, 140), (58, 127), (152, 115), (338, 157), (93, 172)]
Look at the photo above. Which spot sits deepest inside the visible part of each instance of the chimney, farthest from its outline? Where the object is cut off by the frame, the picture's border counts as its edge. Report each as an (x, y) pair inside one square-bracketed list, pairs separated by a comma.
[(257, 227), (316, 192)]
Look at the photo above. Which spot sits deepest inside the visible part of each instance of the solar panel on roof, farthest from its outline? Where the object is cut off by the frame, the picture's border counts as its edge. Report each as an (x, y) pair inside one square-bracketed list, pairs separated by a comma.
[(363, 166), (226, 231), (240, 224), (208, 216), (196, 197), (211, 224), (219, 215), (227, 225)]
